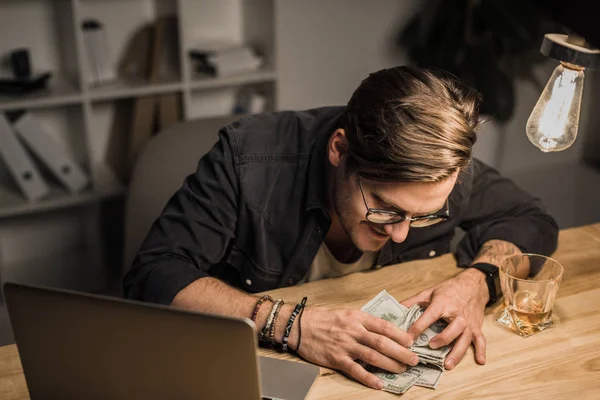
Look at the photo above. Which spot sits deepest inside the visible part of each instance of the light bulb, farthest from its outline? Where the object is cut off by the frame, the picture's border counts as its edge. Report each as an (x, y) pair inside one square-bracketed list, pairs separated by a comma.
[(553, 123)]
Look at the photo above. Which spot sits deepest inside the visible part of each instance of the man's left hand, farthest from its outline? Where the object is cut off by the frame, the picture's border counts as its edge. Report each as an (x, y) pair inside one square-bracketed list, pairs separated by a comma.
[(461, 302)]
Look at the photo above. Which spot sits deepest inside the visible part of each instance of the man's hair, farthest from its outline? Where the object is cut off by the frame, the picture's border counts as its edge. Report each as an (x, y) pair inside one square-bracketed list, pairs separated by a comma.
[(410, 124)]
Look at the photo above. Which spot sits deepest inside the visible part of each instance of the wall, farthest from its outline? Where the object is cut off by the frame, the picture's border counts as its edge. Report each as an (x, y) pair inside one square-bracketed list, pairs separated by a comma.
[(325, 49)]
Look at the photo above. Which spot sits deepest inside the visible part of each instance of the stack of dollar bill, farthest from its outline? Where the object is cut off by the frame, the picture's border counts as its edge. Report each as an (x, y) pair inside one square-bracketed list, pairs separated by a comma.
[(431, 361)]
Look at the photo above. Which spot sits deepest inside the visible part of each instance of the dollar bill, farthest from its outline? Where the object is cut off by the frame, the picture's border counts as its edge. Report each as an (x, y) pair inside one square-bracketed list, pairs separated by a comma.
[(437, 327), (397, 383), (430, 376), (386, 307), (431, 361)]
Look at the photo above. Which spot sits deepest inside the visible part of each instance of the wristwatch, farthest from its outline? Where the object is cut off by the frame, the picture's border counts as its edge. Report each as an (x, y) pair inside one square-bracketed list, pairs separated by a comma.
[(492, 279)]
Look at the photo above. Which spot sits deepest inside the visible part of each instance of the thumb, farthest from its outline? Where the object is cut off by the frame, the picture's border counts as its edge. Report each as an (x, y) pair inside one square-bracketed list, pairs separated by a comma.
[(422, 297)]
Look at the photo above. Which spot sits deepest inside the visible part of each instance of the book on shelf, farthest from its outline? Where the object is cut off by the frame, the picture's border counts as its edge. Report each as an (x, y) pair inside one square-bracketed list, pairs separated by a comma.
[(223, 59), (102, 70), (20, 164)]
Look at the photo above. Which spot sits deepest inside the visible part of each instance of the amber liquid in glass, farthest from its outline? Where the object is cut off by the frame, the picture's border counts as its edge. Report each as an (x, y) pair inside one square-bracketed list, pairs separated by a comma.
[(529, 321), (528, 312)]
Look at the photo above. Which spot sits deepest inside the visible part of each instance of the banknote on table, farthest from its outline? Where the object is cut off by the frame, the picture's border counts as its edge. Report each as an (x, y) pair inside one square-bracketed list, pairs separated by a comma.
[(430, 376), (431, 361), (386, 307), (397, 383)]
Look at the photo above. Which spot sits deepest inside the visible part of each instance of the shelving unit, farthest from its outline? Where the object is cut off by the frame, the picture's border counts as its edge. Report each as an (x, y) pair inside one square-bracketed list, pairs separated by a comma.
[(82, 117)]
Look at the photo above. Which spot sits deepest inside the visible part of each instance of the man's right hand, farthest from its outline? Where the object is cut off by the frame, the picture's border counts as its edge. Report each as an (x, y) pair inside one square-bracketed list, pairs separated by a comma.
[(336, 338)]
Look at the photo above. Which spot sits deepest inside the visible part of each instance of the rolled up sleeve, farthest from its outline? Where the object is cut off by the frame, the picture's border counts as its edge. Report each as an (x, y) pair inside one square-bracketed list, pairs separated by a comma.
[(193, 232), (499, 209)]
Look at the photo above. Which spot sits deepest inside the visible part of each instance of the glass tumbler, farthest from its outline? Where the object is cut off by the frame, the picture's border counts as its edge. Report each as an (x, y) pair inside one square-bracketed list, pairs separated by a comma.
[(528, 302)]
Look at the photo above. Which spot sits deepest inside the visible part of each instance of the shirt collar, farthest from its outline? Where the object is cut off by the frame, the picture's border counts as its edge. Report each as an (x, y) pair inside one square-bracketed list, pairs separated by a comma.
[(316, 194)]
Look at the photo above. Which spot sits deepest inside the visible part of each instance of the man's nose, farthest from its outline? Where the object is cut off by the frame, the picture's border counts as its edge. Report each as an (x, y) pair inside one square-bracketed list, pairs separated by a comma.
[(398, 232)]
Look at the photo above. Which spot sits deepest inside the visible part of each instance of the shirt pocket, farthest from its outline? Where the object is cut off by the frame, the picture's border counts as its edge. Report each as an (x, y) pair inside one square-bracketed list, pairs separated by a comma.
[(253, 278)]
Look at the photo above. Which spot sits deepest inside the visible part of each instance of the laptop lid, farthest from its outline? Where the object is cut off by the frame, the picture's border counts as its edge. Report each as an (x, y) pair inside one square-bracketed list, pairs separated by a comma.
[(74, 346)]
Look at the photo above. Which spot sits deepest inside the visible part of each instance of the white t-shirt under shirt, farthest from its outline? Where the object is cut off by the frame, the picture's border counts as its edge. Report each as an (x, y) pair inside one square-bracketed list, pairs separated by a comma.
[(325, 265)]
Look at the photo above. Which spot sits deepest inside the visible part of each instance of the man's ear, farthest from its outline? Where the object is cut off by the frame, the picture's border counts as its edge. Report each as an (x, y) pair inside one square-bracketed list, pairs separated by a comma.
[(337, 147)]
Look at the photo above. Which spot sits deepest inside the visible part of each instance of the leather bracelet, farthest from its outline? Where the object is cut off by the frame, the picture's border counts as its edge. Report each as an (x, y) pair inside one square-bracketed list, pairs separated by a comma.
[(299, 329), (272, 328), (267, 326), (258, 304), (288, 328)]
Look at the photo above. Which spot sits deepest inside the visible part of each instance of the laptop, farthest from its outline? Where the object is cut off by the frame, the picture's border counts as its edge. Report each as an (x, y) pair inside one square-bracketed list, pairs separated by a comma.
[(81, 346)]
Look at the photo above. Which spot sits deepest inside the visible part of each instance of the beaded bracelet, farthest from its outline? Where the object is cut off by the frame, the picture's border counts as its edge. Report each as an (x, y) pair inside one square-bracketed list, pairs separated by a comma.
[(288, 328), (267, 326), (258, 304), (272, 330)]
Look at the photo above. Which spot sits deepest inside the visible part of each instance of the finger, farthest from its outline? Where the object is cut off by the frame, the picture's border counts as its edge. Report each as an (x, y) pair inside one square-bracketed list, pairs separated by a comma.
[(388, 347), (376, 359), (459, 350), (448, 335), (480, 347), (351, 368), (423, 297), (387, 329), (429, 316)]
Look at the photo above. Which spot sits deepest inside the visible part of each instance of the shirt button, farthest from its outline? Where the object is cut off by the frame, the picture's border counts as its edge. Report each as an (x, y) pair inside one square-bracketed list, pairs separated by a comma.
[(248, 282), (291, 281), (319, 231), (432, 253)]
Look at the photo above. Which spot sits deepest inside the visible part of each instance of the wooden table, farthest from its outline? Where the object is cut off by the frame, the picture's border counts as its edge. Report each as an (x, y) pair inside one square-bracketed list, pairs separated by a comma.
[(563, 362)]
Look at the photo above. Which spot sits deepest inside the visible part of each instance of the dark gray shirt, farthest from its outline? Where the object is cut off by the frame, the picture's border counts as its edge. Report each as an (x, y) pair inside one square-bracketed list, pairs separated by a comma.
[(254, 213)]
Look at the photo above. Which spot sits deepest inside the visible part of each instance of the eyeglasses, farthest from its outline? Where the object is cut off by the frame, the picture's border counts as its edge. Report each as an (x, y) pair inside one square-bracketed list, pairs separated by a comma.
[(387, 217)]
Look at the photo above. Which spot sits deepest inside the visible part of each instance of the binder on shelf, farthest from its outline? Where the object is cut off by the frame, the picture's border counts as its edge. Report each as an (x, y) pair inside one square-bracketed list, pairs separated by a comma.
[(59, 162), (20, 164)]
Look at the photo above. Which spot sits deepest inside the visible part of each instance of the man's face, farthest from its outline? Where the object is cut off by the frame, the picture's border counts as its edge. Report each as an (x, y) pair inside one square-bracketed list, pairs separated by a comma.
[(410, 199)]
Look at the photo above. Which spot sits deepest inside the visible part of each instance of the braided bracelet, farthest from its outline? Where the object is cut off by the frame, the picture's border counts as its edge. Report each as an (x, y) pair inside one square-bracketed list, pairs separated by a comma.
[(258, 304), (267, 326), (272, 330), (288, 328)]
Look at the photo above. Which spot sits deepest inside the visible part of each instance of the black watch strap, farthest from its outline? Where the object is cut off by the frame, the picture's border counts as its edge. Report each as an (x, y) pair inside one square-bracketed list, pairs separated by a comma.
[(492, 279)]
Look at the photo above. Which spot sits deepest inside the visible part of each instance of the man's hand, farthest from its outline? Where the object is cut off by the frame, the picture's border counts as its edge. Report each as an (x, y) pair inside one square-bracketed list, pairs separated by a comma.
[(336, 338), (461, 302)]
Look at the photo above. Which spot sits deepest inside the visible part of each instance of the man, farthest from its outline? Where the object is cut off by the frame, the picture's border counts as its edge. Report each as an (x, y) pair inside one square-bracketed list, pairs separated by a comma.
[(290, 197)]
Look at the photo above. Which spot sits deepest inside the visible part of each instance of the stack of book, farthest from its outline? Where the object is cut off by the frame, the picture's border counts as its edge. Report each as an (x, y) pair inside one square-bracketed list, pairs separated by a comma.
[(222, 60)]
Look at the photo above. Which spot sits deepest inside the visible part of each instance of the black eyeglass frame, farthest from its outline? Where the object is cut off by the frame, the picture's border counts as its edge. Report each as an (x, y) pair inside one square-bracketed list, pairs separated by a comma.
[(444, 216)]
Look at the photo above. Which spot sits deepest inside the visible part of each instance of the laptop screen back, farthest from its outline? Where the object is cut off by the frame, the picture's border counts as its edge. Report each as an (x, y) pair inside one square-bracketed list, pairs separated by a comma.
[(76, 346)]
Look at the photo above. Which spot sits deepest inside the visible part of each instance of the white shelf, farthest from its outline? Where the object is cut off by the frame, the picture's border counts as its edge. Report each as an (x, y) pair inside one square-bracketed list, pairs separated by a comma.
[(208, 82), (89, 121), (124, 88), (59, 92), (12, 203)]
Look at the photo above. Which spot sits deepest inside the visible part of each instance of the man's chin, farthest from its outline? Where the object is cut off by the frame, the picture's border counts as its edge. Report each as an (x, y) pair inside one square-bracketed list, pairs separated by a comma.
[(371, 246)]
